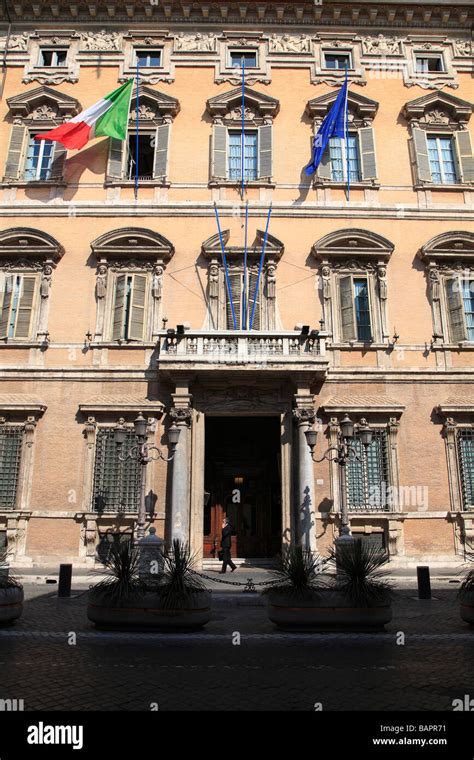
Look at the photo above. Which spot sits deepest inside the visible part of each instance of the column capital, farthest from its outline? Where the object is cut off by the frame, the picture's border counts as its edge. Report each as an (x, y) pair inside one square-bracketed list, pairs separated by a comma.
[(181, 415), (305, 415)]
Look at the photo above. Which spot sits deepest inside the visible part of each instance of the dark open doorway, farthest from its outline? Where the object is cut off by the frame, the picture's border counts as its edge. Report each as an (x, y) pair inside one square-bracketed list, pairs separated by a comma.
[(243, 482)]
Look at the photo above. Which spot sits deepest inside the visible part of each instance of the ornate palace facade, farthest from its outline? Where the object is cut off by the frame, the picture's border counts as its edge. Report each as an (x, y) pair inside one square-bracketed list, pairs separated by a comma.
[(113, 305)]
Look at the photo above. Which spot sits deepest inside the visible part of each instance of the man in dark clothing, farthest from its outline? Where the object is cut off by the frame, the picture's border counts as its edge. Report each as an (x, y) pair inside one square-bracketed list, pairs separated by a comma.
[(226, 543)]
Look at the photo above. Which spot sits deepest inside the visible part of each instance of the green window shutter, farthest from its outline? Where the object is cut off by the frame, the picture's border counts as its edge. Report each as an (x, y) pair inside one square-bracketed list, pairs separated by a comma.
[(235, 281), (257, 317), (160, 168), (57, 167), (14, 162), (219, 152), (457, 322), (114, 168), (265, 149), (324, 168), (137, 314), (464, 155), (346, 297), (420, 147), (367, 153), (119, 307), (6, 306), (25, 307)]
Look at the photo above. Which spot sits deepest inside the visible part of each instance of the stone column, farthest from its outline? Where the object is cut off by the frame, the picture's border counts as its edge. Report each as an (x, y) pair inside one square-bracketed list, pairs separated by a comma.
[(305, 518), (180, 491)]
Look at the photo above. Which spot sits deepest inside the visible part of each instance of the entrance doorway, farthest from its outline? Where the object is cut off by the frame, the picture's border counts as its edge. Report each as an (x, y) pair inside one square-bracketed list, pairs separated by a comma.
[(243, 482)]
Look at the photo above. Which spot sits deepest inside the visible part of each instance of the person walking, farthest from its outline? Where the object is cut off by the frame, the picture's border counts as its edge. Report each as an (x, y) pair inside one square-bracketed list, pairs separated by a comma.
[(226, 544)]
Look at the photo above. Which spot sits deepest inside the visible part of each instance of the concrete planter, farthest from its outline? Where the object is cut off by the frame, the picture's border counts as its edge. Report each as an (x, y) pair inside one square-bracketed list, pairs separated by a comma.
[(144, 611), (466, 607), (328, 611), (11, 604)]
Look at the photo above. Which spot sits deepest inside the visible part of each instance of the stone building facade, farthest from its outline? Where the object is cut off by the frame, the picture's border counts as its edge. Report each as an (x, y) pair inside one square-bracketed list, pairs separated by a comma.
[(113, 305)]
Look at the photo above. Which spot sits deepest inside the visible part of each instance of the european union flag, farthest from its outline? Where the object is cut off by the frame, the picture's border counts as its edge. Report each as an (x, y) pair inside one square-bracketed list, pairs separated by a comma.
[(334, 125)]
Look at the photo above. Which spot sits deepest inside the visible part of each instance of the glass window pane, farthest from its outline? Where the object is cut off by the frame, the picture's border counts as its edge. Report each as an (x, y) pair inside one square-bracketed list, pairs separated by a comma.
[(367, 477), (466, 464), (10, 455), (116, 484), (250, 155), (362, 308), (468, 301)]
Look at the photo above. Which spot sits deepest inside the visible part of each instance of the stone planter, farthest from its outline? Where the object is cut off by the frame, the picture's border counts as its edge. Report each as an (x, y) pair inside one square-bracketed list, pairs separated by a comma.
[(144, 611), (11, 604), (466, 607), (328, 611)]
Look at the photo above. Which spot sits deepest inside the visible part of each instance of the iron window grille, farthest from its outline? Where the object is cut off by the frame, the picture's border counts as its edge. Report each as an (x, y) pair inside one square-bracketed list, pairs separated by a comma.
[(465, 445), (11, 438), (116, 484), (367, 480)]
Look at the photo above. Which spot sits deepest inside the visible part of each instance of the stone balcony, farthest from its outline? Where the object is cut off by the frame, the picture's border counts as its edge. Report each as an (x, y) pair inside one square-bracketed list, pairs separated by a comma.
[(231, 351)]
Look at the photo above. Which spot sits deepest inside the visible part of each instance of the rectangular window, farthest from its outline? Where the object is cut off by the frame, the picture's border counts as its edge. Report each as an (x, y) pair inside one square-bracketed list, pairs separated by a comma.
[(17, 306), (52, 58), (249, 59), (116, 484), (11, 437), (340, 153), (368, 479), (465, 440), (146, 156), (148, 58), (340, 61), (428, 64), (468, 304), (250, 155), (362, 309), (243, 297), (442, 160), (39, 159), (129, 307)]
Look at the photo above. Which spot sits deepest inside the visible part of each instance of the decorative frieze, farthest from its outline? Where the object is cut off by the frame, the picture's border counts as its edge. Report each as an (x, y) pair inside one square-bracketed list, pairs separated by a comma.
[(100, 41)]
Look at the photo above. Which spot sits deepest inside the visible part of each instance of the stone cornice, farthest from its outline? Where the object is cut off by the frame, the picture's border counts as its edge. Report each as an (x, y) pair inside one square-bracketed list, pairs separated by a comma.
[(370, 14)]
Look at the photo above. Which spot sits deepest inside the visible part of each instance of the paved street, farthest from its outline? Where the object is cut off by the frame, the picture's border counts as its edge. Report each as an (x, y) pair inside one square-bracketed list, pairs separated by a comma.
[(207, 670)]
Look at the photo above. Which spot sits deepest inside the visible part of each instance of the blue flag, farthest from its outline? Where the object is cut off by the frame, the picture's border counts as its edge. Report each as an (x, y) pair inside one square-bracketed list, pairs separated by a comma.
[(334, 125)]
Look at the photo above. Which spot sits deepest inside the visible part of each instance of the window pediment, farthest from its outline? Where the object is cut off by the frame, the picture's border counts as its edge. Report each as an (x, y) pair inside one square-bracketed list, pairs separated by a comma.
[(228, 106), (437, 109), (449, 246), (133, 243), (362, 110), (154, 106), (274, 248), (29, 245), (353, 244), (43, 104)]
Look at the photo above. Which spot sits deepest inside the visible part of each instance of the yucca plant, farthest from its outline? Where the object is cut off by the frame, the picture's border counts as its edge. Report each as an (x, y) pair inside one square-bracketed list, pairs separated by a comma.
[(7, 580), (359, 576), (179, 581), (299, 573), (121, 570)]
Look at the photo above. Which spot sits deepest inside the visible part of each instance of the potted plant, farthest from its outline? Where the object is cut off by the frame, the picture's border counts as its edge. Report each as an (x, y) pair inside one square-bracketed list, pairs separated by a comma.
[(11, 593), (177, 600), (357, 598), (466, 596)]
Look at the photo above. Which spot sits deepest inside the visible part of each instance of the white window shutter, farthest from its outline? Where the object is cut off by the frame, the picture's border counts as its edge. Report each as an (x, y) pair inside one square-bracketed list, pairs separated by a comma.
[(137, 311), (346, 297), (457, 323), (14, 164), (420, 146), (160, 168), (219, 152), (6, 306), (265, 150), (25, 307), (114, 168), (119, 307), (367, 153), (464, 155)]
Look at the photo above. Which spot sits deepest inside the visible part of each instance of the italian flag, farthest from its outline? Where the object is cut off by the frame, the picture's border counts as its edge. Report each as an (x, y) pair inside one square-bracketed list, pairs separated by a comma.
[(108, 117)]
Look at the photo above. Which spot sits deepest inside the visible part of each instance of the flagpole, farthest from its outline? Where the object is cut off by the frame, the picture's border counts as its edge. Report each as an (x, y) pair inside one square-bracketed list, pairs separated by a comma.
[(347, 140), (242, 163), (244, 295), (226, 271), (137, 103), (260, 266)]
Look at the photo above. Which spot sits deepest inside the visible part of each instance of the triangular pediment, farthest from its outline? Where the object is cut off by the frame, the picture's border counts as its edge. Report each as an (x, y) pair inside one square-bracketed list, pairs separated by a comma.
[(440, 102), (153, 103), (43, 100), (359, 105), (257, 101)]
